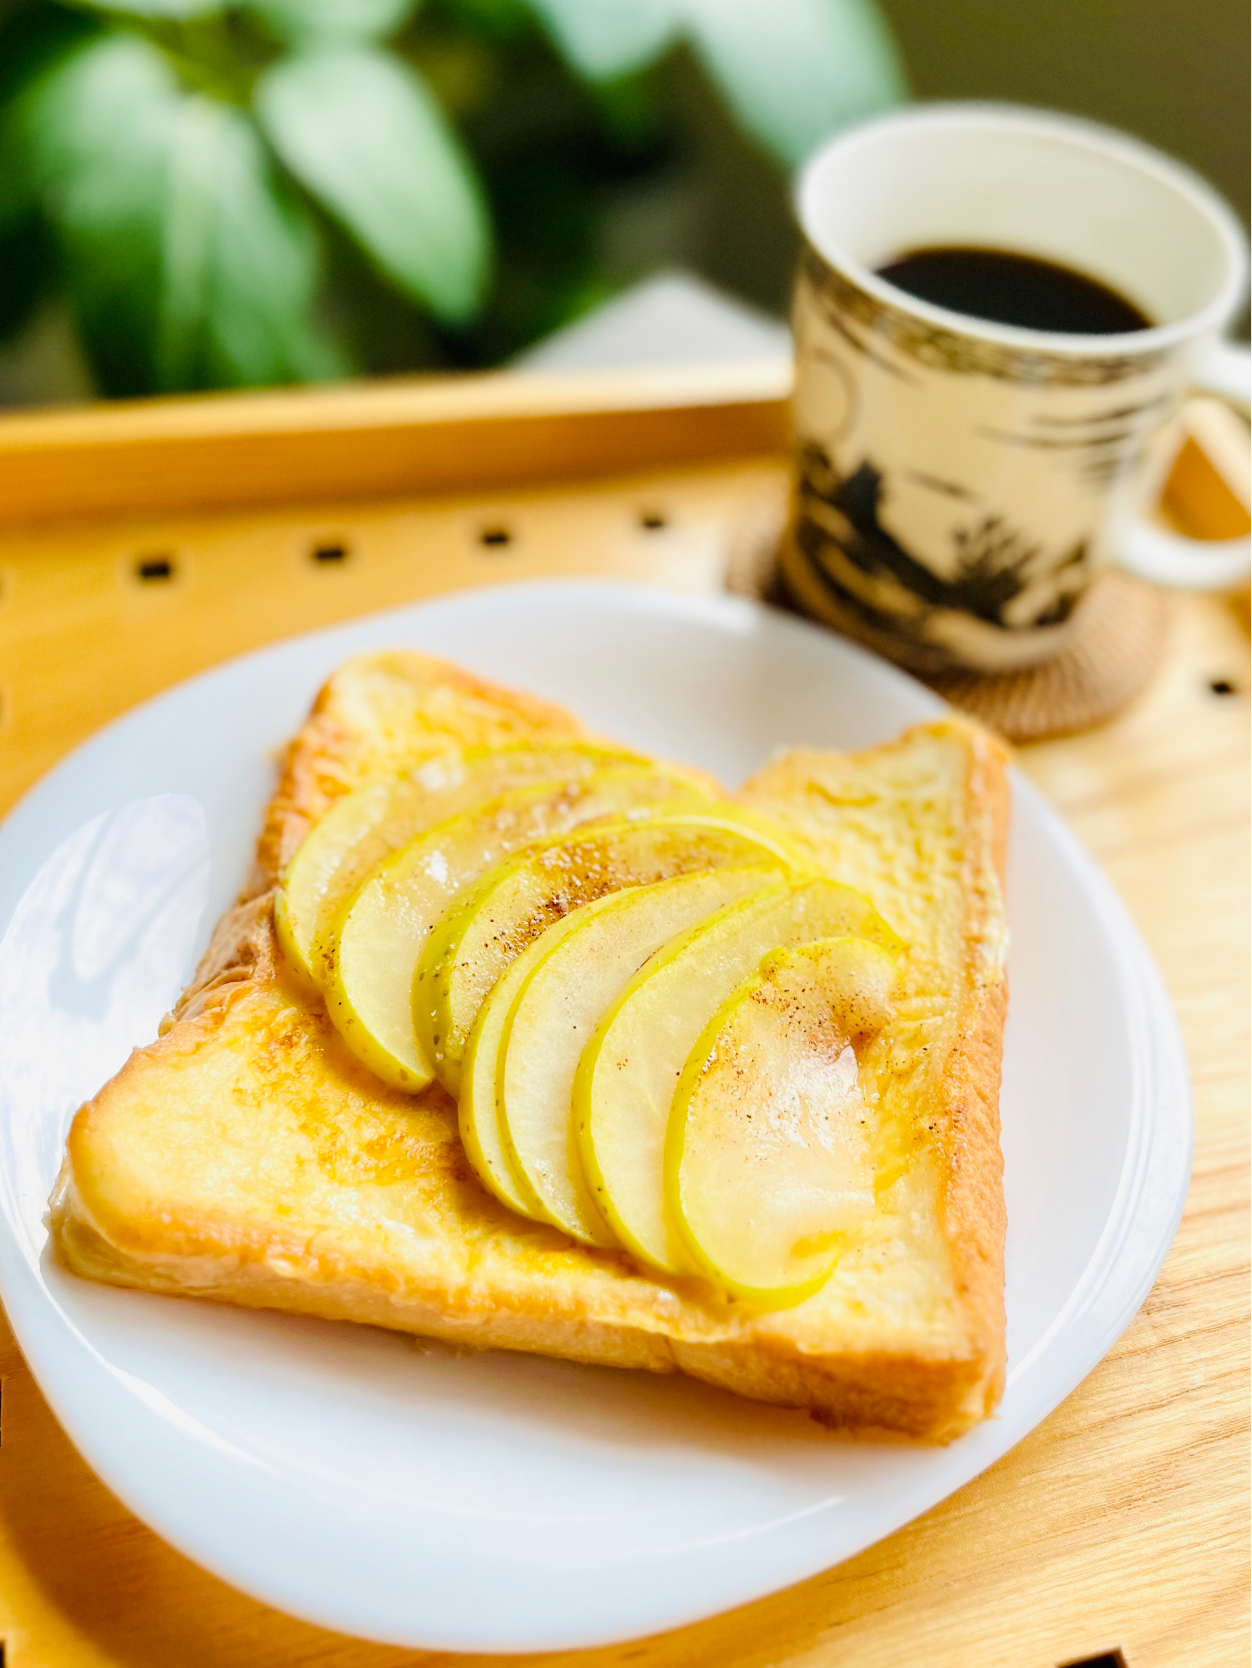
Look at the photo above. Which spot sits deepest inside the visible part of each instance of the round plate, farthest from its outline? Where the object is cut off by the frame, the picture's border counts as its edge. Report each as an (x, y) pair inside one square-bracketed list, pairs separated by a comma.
[(404, 1492)]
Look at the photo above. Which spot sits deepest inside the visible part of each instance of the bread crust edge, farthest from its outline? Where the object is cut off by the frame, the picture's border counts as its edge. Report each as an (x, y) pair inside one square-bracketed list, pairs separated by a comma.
[(974, 1214)]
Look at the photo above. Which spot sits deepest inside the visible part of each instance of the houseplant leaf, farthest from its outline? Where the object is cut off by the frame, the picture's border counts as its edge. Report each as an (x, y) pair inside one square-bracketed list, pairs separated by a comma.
[(25, 267), (185, 261), (300, 22), (165, 11), (240, 262), (602, 39), (363, 134), (795, 70), (95, 130), (32, 42)]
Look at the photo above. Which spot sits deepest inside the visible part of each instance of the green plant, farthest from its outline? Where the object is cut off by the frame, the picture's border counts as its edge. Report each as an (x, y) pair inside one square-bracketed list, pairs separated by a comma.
[(240, 192)]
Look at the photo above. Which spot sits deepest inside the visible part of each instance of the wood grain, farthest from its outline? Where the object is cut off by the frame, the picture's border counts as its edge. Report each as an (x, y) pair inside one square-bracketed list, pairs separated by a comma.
[(1121, 1522)]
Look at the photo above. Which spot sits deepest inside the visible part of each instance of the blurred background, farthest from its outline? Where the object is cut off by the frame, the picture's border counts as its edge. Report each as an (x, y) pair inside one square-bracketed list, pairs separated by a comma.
[(197, 194)]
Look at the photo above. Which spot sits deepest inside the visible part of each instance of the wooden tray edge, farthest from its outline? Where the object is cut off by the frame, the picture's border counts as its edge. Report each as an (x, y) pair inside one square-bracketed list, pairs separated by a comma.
[(404, 436)]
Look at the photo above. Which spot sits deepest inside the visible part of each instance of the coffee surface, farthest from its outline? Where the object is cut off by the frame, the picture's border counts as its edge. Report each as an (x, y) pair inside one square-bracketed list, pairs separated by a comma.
[(1008, 288)]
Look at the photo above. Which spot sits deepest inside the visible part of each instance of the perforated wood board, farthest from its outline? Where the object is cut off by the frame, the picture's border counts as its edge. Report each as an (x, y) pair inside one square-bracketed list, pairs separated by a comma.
[(1122, 1522)]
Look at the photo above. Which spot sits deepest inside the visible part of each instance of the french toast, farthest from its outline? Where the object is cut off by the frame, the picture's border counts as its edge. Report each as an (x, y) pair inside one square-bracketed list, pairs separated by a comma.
[(248, 1157)]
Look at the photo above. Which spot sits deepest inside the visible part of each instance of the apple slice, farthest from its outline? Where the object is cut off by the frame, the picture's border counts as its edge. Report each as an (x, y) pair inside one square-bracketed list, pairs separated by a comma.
[(480, 1124), (371, 956), (386, 813), (512, 904), (476, 1104), (628, 1073), (768, 1160), (575, 977)]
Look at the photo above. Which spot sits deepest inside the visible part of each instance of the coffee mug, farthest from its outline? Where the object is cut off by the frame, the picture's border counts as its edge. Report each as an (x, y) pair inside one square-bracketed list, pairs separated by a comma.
[(959, 482)]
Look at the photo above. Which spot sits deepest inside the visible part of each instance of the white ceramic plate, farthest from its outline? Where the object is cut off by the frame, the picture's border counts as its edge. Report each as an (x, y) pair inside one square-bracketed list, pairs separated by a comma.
[(415, 1496)]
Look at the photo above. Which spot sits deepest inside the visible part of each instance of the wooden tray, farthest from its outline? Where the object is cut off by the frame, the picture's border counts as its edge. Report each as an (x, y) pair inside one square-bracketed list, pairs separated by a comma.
[(1121, 1523)]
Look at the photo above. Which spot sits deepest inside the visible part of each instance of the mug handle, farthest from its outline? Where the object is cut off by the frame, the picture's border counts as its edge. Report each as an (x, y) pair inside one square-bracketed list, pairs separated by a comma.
[(1173, 559)]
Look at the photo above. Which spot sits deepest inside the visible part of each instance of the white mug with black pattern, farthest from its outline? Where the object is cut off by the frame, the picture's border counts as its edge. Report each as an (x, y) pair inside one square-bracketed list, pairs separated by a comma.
[(959, 482)]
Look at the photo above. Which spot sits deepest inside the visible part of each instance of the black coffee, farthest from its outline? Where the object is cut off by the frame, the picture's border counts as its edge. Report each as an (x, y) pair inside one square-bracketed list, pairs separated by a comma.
[(1014, 289)]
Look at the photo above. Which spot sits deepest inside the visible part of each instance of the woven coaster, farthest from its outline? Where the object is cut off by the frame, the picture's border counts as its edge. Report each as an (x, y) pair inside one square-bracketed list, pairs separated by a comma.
[(1119, 636)]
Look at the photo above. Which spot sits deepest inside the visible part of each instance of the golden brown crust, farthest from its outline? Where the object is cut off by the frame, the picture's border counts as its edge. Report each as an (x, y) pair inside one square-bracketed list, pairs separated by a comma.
[(250, 1081), (882, 1390), (242, 948), (974, 1219), (420, 705)]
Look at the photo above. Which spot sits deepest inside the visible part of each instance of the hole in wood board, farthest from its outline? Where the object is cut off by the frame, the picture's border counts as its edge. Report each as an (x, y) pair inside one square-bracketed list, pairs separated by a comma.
[(331, 551), (151, 568), (495, 538), (1106, 1659), (652, 521), (1223, 686)]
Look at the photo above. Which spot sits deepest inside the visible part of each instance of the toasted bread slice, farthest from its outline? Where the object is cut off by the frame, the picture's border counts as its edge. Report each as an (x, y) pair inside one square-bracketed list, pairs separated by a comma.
[(247, 1157)]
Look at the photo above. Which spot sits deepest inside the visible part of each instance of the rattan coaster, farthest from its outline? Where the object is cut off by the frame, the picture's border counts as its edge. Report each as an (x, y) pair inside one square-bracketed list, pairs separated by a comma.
[(1118, 641)]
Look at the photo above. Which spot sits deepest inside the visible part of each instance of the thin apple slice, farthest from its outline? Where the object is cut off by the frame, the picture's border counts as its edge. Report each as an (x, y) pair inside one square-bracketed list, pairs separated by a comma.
[(480, 1123), (768, 1160), (475, 942), (370, 959), (574, 981), (476, 1104), (386, 813), (628, 1072)]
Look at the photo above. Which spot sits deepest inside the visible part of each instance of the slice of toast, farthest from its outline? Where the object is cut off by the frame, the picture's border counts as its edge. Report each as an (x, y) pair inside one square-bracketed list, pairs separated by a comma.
[(247, 1157)]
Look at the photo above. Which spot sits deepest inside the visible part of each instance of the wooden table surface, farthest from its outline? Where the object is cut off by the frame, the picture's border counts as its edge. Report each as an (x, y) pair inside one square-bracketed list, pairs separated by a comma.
[(1121, 1523)]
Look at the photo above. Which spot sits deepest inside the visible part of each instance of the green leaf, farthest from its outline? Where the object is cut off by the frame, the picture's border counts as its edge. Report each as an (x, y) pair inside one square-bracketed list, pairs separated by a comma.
[(95, 130), (25, 270), (241, 263), (165, 11), (302, 22), (493, 22), (602, 39), (186, 263), (31, 43), (365, 136), (32, 37), (793, 71)]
